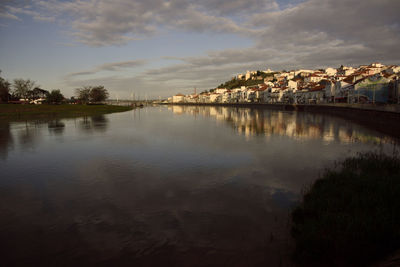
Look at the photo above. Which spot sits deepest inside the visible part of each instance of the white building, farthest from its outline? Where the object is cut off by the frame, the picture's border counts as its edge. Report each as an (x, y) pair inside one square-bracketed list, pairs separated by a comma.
[(178, 98), (248, 75), (313, 78), (220, 90), (330, 71), (345, 71), (215, 98), (292, 84)]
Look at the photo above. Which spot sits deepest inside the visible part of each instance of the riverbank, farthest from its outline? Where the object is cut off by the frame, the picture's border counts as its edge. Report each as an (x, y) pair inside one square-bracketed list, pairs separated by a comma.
[(383, 118), (21, 112), (349, 217)]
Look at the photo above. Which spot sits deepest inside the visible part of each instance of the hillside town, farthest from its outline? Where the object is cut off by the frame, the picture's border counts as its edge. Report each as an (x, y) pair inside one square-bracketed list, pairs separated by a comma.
[(375, 83)]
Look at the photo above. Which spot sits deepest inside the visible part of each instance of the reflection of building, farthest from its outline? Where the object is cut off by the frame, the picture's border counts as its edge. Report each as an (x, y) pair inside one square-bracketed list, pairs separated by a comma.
[(372, 89), (296, 125), (177, 109)]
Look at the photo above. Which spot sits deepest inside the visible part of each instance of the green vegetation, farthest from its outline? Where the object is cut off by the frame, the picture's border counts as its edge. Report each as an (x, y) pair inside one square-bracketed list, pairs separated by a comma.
[(235, 83), (91, 94), (55, 97), (83, 94), (98, 93), (15, 111), (351, 216), (26, 91)]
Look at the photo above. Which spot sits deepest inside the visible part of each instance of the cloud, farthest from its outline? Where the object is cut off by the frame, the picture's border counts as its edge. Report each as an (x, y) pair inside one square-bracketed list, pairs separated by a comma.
[(42, 18), (309, 34), (102, 22), (6, 15), (235, 7), (11, 12), (114, 66)]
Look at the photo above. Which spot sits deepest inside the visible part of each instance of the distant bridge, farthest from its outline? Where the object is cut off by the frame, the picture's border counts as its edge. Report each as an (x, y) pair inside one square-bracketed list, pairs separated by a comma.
[(135, 103)]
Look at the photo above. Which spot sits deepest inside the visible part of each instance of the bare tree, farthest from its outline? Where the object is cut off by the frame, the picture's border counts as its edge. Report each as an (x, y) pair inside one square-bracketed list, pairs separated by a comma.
[(4, 89), (22, 88)]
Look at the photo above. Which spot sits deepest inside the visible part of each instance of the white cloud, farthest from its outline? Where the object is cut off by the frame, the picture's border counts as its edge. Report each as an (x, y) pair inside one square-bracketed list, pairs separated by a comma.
[(113, 66)]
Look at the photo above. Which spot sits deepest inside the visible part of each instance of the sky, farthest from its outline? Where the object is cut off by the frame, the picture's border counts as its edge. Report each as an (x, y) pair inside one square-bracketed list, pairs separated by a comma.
[(157, 48)]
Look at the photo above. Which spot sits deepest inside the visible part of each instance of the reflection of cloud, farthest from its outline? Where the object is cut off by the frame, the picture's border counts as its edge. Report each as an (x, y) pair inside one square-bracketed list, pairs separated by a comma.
[(114, 211)]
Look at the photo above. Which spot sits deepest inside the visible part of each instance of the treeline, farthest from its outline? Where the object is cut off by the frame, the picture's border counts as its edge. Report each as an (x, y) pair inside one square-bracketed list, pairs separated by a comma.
[(237, 83), (27, 91)]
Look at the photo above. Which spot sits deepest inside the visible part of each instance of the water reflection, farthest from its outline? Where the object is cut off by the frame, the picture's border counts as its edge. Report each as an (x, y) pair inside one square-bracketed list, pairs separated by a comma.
[(56, 127), (296, 125), (6, 139), (131, 216), (98, 123), (29, 133), (159, 189)]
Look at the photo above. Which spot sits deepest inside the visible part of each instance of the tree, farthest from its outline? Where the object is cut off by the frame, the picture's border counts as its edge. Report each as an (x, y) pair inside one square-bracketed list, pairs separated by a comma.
[(98, 94), (83, 94), (39, 93), (23, 87), (4, 90), (55, 97)]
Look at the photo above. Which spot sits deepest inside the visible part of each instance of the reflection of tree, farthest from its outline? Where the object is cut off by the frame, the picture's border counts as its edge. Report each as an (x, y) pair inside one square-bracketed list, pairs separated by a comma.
[(56, 127), (27, 137), (97, 123), (85, 124), (298, 125), (6, 139)]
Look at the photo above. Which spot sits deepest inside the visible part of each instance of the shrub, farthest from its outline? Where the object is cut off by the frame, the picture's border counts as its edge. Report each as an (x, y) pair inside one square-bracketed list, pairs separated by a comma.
[(351, 216)]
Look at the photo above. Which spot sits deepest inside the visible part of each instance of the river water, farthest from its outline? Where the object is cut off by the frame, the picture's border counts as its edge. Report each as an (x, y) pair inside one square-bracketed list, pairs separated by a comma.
[(164, 186)]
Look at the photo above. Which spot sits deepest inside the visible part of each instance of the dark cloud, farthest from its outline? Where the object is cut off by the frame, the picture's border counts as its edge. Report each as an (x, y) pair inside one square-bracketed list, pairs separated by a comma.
[(114, 66)]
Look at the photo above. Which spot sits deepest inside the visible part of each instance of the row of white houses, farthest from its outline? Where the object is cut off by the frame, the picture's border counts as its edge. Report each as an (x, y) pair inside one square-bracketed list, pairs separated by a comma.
[(369, 89)]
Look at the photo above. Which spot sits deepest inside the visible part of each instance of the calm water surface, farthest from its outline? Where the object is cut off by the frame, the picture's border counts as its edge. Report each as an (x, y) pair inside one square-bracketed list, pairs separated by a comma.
[(169, 186)]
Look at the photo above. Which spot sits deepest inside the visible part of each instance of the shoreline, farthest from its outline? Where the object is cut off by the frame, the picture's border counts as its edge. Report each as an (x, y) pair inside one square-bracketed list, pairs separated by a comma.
[(12, 112), (383, 118)]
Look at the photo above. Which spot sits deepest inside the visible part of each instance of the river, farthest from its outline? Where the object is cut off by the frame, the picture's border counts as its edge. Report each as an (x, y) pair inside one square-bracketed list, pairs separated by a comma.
[(164, 186)]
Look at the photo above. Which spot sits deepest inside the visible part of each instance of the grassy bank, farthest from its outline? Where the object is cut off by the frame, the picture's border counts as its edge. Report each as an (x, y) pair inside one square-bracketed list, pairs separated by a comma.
[(16, 112), (351, 216)]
